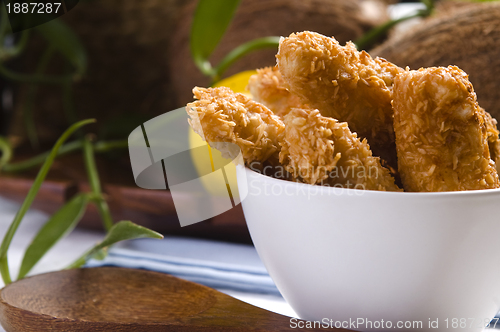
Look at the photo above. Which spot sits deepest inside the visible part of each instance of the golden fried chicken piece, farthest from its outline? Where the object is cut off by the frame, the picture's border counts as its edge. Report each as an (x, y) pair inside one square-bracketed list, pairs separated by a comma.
[(342, 83), (321, 150), (220, 115), (493, 138), (441, 134), (267, 88)]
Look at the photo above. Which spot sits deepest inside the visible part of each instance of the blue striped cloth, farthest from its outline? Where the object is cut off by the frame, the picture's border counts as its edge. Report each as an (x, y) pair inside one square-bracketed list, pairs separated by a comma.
[(215, 264)]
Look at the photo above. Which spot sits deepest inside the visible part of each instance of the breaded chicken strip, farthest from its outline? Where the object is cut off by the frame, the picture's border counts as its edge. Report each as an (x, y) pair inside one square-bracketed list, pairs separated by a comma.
[(220, 115), (342, 83), (441, 134), (267, 88), (321, 150), (493, 138)]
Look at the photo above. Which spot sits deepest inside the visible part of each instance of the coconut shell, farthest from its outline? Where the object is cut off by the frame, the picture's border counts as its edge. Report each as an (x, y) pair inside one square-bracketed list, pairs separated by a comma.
[(343, 19), (127, 81), (468, 37), (139, 64), (127, 43)]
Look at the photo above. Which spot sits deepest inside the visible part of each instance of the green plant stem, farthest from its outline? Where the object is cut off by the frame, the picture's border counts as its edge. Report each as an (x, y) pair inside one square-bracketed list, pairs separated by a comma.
[(66, 43), (14, 76), (4, 271), (69, 106), (4, 247), (241, 51), (373, 35), (210, 21), (80, 261), (204, 66), (6, 150), (39, 159), (13, 51), (68, 103), (123, 230), (95, 184), (105, 146), (17, 49), (429, 5), (29, 120), (100, 147)]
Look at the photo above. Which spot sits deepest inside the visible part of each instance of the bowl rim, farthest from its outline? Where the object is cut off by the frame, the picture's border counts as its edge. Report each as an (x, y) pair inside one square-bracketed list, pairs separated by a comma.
[(355, 192)]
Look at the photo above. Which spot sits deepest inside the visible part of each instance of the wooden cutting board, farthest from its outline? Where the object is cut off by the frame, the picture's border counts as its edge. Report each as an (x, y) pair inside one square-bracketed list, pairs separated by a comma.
[(118, 299)]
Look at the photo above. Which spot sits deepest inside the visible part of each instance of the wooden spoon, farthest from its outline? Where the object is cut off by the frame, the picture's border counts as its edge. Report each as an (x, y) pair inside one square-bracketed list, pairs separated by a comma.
[(118, 299)]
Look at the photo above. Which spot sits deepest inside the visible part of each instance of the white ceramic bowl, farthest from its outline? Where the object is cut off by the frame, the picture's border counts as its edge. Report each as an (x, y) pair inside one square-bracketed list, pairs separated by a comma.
[(349, 255)]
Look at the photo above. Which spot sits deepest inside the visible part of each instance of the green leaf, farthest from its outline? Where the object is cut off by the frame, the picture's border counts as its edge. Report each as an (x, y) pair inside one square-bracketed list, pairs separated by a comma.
[(211, 19), (64, 40), (6, 151), (95, 184), (244, 49), (44, 170), (58, 226), (124, 230), (100, 254), (369, 38)]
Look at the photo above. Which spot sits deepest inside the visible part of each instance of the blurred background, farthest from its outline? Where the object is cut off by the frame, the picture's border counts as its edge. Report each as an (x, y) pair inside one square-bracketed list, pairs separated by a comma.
[(125, 62)]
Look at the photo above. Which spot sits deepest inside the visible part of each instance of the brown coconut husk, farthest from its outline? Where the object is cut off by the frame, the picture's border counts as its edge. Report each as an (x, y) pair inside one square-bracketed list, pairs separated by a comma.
[(128, 76), (343, 19), (139, 60), (467, 36)]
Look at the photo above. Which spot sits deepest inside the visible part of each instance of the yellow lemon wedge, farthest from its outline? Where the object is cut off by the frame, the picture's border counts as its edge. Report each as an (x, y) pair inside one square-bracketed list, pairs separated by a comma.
[(238, 82)]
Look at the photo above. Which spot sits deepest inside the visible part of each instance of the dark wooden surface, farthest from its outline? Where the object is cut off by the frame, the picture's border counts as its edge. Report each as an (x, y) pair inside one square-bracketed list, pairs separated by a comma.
[(118, 299), (151, 208)]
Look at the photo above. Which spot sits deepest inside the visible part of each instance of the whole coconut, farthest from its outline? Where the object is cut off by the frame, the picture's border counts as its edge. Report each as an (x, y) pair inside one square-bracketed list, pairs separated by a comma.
[(343, 19), (468, 37)]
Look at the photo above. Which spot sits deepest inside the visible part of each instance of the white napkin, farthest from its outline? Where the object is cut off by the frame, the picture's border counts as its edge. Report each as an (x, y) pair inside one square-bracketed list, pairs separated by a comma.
[(211, 263)]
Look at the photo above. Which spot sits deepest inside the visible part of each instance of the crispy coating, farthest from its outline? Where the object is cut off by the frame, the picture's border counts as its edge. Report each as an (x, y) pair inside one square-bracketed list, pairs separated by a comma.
[(267, 88), (493, 138), (342, 83), (321, 150), (220, 115), (441, 134)]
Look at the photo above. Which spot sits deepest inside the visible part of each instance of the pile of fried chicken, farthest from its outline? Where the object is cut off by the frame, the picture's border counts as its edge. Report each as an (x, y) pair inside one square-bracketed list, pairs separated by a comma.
[(331, 115)]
